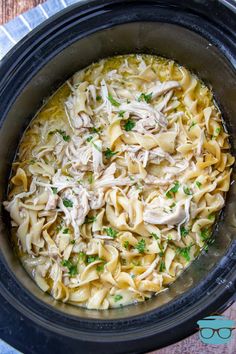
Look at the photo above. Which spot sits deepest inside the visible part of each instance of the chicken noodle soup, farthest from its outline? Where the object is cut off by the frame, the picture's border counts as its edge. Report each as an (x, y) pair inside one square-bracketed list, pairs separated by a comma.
[(118, 181)]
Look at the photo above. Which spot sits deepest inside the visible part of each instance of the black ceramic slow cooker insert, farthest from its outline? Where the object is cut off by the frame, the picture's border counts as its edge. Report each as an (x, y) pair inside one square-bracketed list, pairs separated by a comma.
[(197, 34)]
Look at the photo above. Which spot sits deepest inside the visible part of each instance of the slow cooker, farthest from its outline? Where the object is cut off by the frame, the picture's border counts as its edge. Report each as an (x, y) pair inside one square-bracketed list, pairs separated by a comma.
[(197, 34)]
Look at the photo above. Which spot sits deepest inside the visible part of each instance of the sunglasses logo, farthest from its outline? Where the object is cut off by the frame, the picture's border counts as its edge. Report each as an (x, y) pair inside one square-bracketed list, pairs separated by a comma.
[(215, 330)]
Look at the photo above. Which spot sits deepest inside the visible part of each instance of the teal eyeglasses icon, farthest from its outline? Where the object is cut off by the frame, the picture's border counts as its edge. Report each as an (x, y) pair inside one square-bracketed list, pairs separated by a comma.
[(215, 330)]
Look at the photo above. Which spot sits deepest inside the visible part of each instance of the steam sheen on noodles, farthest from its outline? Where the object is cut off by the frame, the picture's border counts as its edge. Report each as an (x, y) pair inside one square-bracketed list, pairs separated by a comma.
[(118, 181)]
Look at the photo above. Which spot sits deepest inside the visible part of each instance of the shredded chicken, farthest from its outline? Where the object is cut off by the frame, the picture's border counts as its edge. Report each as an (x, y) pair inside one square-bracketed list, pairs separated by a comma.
[(162, 88), (144, 111)]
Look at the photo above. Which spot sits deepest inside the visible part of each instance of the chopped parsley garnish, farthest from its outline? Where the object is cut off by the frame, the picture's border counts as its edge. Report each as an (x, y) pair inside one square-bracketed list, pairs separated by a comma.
[(96, 147), (90, 219), (82, 257), (65, 231), (90, 178), (71, 267), (184, 252), (205, 234), (59, 227), (173, 190), (161, 254), (91, 259), (126, 244), (145, 97), (211, 217), (118, 297), (198, 184), (129, 124), (162, 266), (54, 190), (121, 114), (72, 242), (89, 138), (98, 98), (32, 162), (113, 101), (141, 245), (111, 232), (100, 267), (154, 235), (217, 132), (192, 125), (109, 153), (187, 191), (172, 205), (62, 133), (183, 231), (95, 130), (67, 203)]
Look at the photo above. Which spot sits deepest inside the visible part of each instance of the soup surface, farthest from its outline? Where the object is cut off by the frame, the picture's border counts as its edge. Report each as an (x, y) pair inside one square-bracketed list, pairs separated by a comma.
[(118, 181)]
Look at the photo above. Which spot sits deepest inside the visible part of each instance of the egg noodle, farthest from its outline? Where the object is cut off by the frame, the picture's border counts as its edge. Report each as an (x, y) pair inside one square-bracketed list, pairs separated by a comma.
[(118, 181)]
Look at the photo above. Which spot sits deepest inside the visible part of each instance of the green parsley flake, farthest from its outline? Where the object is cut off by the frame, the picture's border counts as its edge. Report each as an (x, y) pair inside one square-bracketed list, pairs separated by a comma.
[(72, 242), (54, 190), (62, 133), (95, 130), (198, 184), (65, 231), (109, 153), (118, 297), (91, 259), (217, 131), (100, 267), (211, 217), (72, 268), (184, 252), (90, 178), (89, 138), (129, 124), (82, 256), (205, 234), (98, 98), (67, 203), (59, 227), (192, 125), (145, 97), (183, 231), (96, 147), (111, 232), (187, 191), (141, 245), (113, 101), (126, 244), (173, 190), (162, 266), (154, 235), (121, 114), (161, 254), (89, 220)]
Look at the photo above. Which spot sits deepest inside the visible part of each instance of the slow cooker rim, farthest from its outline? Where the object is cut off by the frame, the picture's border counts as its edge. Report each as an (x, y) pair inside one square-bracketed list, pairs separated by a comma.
[(13, 52)]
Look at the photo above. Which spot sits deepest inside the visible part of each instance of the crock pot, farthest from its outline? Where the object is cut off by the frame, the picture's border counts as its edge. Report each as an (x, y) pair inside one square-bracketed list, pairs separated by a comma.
[(199, 35)]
